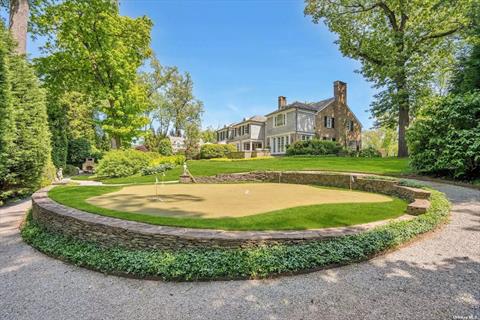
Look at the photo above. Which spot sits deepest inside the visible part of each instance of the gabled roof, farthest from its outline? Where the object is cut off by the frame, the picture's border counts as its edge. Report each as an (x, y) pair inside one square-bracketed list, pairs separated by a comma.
[(255, 118), (314, 106)]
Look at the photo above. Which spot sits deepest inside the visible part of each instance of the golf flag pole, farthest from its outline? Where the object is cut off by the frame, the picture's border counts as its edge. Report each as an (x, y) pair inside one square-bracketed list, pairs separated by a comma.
[(156, 184)]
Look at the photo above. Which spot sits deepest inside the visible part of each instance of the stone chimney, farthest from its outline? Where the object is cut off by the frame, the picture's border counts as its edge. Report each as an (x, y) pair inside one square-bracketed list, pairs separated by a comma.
[(282, 102), (340, 91)]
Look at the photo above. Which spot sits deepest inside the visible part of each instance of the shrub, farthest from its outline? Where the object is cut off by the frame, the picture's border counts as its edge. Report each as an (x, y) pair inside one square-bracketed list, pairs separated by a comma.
[(78, 151), (49, 174), (210, 151), (174, 160), (123, 163), (159, 143), (165, 147), (157, 169), (314, 147), (445, 138), (369, 152), (71, 170)]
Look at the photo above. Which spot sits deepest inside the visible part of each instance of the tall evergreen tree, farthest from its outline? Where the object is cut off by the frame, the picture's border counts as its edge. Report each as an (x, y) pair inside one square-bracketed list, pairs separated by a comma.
[(24, 134), (7, 127), (32, 140), (57, 121)]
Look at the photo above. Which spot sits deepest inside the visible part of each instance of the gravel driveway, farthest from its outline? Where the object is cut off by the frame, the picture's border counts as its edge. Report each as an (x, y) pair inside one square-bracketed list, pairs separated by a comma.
[(437, 277)]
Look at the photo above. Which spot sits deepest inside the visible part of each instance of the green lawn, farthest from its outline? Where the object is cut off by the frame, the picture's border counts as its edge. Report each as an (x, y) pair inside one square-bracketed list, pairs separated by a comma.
[(298, 218), (382, 166)]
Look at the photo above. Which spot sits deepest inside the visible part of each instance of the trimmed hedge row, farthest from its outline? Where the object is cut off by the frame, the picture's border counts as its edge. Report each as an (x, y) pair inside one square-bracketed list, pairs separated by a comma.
[(255, 262)]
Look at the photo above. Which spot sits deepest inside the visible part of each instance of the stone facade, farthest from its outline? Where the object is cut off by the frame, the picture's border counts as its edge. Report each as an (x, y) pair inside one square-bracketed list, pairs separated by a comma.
[(348, 137), (299, 121), (111, 232)]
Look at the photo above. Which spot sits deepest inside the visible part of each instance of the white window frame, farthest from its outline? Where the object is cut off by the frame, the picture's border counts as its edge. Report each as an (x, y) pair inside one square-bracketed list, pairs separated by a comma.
[(329, 122), (275, 124)]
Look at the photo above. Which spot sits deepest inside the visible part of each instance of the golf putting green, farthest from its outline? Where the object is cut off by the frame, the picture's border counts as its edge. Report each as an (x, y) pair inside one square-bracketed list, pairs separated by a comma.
[(225, 200)]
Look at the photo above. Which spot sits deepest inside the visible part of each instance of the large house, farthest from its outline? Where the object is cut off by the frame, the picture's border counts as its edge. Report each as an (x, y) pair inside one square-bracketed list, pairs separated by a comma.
[(329, 119)]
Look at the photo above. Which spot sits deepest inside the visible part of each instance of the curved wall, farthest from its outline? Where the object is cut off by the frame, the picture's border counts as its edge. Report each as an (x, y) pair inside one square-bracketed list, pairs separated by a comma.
[(111, 232)]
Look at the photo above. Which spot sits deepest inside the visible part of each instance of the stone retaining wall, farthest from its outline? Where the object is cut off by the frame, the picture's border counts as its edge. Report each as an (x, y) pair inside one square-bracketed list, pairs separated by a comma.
[(111, 232), (359, 182)]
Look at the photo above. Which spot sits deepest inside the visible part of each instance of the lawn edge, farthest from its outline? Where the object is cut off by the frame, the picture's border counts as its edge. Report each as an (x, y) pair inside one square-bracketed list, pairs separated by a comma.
[(386, 239)]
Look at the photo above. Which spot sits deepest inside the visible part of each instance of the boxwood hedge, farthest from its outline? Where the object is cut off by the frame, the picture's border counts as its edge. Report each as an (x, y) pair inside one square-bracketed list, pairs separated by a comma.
[(255, 262)]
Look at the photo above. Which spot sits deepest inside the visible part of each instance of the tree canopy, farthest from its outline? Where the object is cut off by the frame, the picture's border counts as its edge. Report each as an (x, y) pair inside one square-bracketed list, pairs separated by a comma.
[(91, 49), (172, 104), (400, 45)]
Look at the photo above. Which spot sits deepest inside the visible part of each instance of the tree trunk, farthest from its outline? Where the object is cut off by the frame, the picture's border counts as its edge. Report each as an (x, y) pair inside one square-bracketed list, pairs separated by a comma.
[(18, 24), (403, 121), (403, 115), (115, 143)]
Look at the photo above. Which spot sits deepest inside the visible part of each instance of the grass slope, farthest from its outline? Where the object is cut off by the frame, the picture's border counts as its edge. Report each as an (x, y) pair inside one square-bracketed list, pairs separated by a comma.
[(382, 166), (298, 218)]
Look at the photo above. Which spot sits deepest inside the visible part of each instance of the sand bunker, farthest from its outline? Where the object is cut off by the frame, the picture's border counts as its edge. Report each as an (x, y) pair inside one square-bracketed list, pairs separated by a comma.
[(224, 200)]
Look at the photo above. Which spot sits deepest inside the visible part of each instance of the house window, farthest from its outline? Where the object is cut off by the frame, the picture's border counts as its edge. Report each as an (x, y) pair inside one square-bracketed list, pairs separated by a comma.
[(278, 144), (305, 137), (350, 125), (329, 122), (280, 120), (247, 129)]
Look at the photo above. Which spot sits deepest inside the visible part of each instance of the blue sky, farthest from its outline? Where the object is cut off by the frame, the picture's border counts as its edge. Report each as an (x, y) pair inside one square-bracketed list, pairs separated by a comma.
[(243, 54)]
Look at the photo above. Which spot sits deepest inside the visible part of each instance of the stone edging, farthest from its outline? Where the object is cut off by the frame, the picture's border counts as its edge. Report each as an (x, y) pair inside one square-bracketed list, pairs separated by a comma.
[(111, 232)]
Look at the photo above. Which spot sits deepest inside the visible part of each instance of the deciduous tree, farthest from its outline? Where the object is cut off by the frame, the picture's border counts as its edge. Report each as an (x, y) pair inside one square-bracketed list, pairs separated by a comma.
[(90, 48), (172, 104), (399, 44), (18, 12), (209, 135)]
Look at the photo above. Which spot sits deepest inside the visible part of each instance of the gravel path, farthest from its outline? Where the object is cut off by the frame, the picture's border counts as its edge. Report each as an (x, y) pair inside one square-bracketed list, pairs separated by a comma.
[(437, 277)]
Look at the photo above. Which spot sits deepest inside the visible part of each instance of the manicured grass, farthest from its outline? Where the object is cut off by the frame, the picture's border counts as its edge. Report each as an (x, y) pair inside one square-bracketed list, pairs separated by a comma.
[(251, 262), (298, 218), (382, 166)]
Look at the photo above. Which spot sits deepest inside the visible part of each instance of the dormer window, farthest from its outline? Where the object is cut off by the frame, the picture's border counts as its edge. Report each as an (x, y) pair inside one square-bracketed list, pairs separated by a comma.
[(280, 120)]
